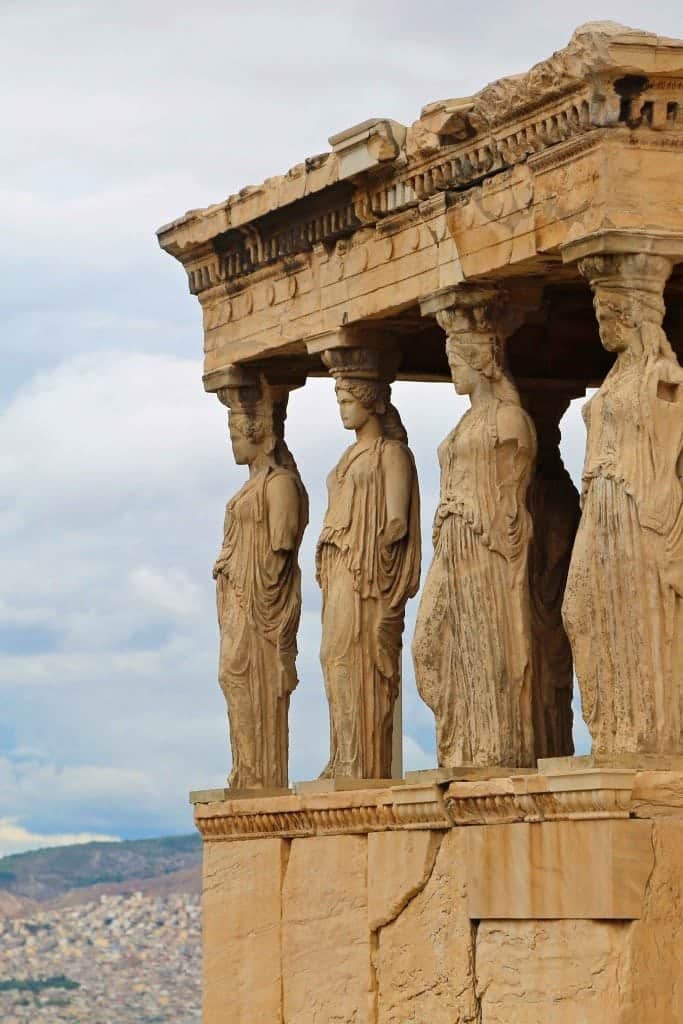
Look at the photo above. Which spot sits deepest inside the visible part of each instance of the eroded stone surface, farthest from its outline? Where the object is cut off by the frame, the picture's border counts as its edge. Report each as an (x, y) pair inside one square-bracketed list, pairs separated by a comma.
[(424, 958), (326, 940), (399, 866), (241, 912), (472, 643), (367, 565), (623, 607), (651, 968), (559, 869), (550, 972), (258, 584)]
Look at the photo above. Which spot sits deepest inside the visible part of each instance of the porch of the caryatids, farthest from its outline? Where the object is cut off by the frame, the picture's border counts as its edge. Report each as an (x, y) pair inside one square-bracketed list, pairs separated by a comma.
[(258, 582), (553, 502), (472, 647), (623, 608), (368, 565)]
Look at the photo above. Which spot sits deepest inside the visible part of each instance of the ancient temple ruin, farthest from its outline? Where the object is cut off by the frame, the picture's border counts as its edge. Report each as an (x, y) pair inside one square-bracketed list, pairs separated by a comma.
[(525, 243)]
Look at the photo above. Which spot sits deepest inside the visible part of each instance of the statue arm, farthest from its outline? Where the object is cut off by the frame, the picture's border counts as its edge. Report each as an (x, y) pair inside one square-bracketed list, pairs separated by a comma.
[(221, 561), (514, 454), (283, 500), (398, 480)]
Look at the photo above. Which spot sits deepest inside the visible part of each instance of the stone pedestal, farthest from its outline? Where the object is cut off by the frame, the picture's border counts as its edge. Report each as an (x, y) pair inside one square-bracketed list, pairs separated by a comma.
[(539, 899)]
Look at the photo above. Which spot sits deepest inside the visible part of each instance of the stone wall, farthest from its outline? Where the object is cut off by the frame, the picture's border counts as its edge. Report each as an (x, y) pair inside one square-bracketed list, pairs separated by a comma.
[(376, 907)]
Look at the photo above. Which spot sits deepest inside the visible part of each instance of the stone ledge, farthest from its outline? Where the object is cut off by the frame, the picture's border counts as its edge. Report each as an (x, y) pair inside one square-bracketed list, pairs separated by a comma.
[(571, 795), (327, 813), (578, 794)]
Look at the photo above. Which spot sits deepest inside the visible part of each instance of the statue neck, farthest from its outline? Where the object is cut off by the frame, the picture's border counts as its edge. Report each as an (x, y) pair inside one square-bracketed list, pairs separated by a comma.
[(369, 432), (261, 463)]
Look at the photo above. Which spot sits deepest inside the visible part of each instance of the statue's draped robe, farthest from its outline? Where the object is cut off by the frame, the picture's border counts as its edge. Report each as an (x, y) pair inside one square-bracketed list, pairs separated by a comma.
[(472, 643), (623, 608), (259, 604), (365, 585)]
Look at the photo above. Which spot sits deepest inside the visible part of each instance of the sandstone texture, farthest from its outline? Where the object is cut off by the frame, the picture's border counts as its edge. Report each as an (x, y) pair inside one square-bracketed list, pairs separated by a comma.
[(373, 920), (325, 931), (241, 914)]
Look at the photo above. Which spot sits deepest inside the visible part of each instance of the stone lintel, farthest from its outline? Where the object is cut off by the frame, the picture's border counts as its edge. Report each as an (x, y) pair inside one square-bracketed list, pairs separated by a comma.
[(609, 240), (559, 870)]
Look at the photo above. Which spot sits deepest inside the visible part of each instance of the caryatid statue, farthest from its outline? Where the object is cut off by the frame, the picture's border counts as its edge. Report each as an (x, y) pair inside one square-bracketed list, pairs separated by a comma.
[(623, 607), (472, 648), (258, 585), (368, 565)]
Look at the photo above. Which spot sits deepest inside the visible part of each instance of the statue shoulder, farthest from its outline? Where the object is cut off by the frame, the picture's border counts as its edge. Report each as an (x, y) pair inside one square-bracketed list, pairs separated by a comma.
[(514, 424), (283, 485), (396, 454)]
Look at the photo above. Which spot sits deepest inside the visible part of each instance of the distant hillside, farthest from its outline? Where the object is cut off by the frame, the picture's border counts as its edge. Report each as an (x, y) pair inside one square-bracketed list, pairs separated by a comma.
[(54, 873)]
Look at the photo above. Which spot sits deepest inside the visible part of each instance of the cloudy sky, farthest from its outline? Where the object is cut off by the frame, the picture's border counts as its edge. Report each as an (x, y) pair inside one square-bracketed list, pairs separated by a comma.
[(114, 466)]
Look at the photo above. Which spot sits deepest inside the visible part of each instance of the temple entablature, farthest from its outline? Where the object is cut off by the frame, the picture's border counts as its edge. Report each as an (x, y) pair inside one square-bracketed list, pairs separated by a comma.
[(507, 184)]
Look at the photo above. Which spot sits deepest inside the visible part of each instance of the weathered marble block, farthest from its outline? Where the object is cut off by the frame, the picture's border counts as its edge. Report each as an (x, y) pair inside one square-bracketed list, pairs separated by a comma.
[(401, 906)]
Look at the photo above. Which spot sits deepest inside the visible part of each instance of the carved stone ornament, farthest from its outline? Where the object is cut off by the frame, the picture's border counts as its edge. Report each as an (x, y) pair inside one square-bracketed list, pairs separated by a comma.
[(472, 648), (368, 565), (623, 608), (258, 586)]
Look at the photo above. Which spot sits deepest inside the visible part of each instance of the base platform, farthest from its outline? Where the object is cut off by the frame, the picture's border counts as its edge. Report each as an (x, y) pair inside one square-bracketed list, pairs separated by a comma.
[(527, 899)]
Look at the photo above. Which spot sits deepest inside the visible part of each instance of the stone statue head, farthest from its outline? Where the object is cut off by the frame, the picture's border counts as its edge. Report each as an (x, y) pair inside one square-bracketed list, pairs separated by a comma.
[(257, 411), (478, 360), (628, 301), (363, 390), (359, 401), (251, 434)]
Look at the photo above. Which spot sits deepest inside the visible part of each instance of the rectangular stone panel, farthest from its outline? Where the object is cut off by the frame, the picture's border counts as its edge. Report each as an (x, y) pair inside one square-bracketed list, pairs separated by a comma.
[(326, 939), (559, 869), (551, 972), (241, 914)]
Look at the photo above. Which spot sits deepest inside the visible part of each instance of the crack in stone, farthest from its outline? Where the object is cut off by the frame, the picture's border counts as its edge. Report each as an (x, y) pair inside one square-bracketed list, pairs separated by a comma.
[(284, 864), (435, 841), (476, 995)]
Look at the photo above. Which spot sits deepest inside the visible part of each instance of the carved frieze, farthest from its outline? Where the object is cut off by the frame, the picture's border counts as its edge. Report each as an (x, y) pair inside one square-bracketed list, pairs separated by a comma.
[(568, 795)]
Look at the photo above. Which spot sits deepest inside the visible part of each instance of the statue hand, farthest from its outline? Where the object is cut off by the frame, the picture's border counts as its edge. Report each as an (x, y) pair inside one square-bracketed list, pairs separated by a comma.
[(393, 532)]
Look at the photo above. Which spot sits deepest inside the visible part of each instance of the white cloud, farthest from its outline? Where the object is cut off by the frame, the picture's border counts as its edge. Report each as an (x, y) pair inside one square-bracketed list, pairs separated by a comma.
[(415, 759), (15, 838)]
